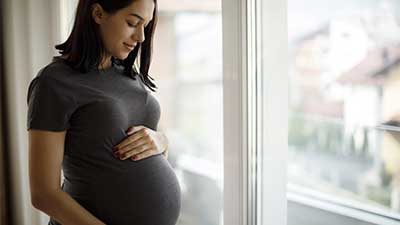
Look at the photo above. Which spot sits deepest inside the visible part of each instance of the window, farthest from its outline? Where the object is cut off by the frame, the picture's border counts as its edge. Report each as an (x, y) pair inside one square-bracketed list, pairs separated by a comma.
[(344, 145), (188, 67), (255, 112)]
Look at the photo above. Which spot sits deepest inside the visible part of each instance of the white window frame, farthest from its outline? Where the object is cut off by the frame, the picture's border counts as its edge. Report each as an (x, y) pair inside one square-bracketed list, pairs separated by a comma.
[(242, 137), (275, 110), (240, 206)]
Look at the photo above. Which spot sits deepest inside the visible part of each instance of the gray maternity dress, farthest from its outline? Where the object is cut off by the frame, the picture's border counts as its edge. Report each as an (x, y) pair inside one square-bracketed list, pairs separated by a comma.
[(96, 109)]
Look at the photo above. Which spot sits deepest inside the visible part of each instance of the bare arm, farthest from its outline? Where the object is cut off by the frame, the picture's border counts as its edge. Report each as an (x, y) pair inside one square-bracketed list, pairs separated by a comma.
[(46, 150)]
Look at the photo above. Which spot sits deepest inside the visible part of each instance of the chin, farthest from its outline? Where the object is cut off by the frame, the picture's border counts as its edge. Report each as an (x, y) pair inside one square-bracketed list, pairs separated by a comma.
[(122, 56)]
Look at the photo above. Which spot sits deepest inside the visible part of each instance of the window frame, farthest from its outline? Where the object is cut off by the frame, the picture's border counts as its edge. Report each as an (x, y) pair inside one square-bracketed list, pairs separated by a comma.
[(251, 151)]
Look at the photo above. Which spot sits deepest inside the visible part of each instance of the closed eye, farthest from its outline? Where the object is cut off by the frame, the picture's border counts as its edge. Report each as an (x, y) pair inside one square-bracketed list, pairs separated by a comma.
[(131, 25)]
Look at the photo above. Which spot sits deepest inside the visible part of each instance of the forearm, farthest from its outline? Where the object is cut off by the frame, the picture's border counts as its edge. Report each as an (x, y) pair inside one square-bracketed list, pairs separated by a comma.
[(60, 206)]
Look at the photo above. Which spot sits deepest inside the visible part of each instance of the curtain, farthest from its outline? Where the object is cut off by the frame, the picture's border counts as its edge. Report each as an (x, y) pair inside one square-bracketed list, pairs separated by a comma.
[(28, 33), (4, 182)]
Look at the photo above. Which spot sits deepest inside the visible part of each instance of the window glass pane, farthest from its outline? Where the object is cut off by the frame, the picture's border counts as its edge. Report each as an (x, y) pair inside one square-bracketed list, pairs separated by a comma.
[(188, 67), (344, 91)]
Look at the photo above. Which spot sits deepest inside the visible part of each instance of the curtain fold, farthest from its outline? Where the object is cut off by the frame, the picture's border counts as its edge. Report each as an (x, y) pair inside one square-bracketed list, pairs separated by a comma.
[(29, 32), (4, 173)]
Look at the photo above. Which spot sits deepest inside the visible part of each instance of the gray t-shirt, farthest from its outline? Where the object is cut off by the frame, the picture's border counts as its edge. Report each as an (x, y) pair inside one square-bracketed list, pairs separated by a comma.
[(96, 109)]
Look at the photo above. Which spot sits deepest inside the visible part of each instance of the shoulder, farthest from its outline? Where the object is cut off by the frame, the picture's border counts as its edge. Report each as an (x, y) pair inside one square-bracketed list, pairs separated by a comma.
[(55, 70), (56, 74), (54, 79)]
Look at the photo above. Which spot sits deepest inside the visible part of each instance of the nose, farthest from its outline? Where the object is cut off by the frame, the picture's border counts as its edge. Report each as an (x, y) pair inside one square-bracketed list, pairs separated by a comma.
[(138, 34)]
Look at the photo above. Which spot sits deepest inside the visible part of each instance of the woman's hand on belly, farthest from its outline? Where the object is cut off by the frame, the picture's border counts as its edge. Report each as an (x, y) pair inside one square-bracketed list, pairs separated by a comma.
[(142, 142)]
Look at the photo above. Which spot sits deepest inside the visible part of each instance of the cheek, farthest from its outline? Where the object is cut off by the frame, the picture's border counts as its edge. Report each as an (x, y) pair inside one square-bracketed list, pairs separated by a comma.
[(119, 35), (109, 37), (115, 36), (114, 41)]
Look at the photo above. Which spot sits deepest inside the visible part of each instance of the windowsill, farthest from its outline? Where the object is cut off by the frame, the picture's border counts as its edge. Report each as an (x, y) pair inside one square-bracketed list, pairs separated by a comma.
[(341, 207)]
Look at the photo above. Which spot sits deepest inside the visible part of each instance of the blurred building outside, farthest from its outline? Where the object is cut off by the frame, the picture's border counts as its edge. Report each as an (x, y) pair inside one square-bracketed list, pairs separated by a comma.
[(344, 85)]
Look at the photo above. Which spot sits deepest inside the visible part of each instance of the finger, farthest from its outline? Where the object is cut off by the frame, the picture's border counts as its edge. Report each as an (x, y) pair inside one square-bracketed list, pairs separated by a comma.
[(133, 129), (130, 139), (133, 152), (132, 145), (144, 154), (126, 142)]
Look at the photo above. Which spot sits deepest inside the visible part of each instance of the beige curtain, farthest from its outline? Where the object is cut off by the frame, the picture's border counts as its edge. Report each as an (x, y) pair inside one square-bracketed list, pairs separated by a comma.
[(4, 206), (29, 33)]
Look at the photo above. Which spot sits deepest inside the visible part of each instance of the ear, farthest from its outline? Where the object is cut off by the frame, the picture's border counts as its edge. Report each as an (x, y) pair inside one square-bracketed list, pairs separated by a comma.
[(98, 13)]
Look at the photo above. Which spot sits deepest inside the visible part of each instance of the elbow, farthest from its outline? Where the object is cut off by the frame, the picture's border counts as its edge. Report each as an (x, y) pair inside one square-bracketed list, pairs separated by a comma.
[(41, 201), (36, 201)]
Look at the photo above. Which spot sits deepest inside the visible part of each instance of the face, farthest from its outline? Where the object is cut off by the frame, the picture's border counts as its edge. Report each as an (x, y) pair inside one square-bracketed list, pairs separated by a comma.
[(124, 29)]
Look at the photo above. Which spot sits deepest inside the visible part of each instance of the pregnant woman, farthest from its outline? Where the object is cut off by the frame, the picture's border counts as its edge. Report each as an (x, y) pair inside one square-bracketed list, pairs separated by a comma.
[(91, 116)]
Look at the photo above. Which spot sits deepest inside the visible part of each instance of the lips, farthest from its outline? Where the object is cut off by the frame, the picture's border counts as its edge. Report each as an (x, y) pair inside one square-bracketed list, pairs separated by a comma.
[(131, 47)]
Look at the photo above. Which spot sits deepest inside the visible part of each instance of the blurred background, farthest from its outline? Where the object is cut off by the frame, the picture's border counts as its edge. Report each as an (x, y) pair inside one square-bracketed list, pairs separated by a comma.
[(344, 113)]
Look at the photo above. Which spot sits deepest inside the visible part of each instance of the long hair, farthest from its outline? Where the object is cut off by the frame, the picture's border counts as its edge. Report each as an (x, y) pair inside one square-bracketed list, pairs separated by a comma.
[(85, 48)]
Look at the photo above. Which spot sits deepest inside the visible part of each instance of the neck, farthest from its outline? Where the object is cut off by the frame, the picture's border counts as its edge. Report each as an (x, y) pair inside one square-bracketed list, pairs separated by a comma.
[(106, 63)]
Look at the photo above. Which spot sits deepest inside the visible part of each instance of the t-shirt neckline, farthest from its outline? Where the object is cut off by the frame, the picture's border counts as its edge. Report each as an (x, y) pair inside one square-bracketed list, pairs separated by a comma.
[(112, 68)]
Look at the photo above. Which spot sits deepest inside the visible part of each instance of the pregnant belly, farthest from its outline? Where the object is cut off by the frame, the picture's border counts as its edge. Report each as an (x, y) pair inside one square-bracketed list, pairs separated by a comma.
[(145, 192)]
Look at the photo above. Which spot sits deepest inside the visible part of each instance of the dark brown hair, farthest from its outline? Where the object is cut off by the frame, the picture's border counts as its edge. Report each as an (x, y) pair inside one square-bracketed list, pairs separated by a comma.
[(84, 46)]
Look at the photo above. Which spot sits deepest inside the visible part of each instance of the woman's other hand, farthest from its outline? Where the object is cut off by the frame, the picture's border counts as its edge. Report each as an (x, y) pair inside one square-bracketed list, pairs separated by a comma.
[(141, 143)]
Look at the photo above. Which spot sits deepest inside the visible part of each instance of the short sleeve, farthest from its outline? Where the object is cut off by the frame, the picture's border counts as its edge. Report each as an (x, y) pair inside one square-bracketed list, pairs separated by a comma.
[(50, 105)]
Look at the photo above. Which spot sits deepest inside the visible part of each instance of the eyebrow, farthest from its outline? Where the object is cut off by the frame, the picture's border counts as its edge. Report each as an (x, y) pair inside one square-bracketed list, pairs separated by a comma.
[(138, 16)]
